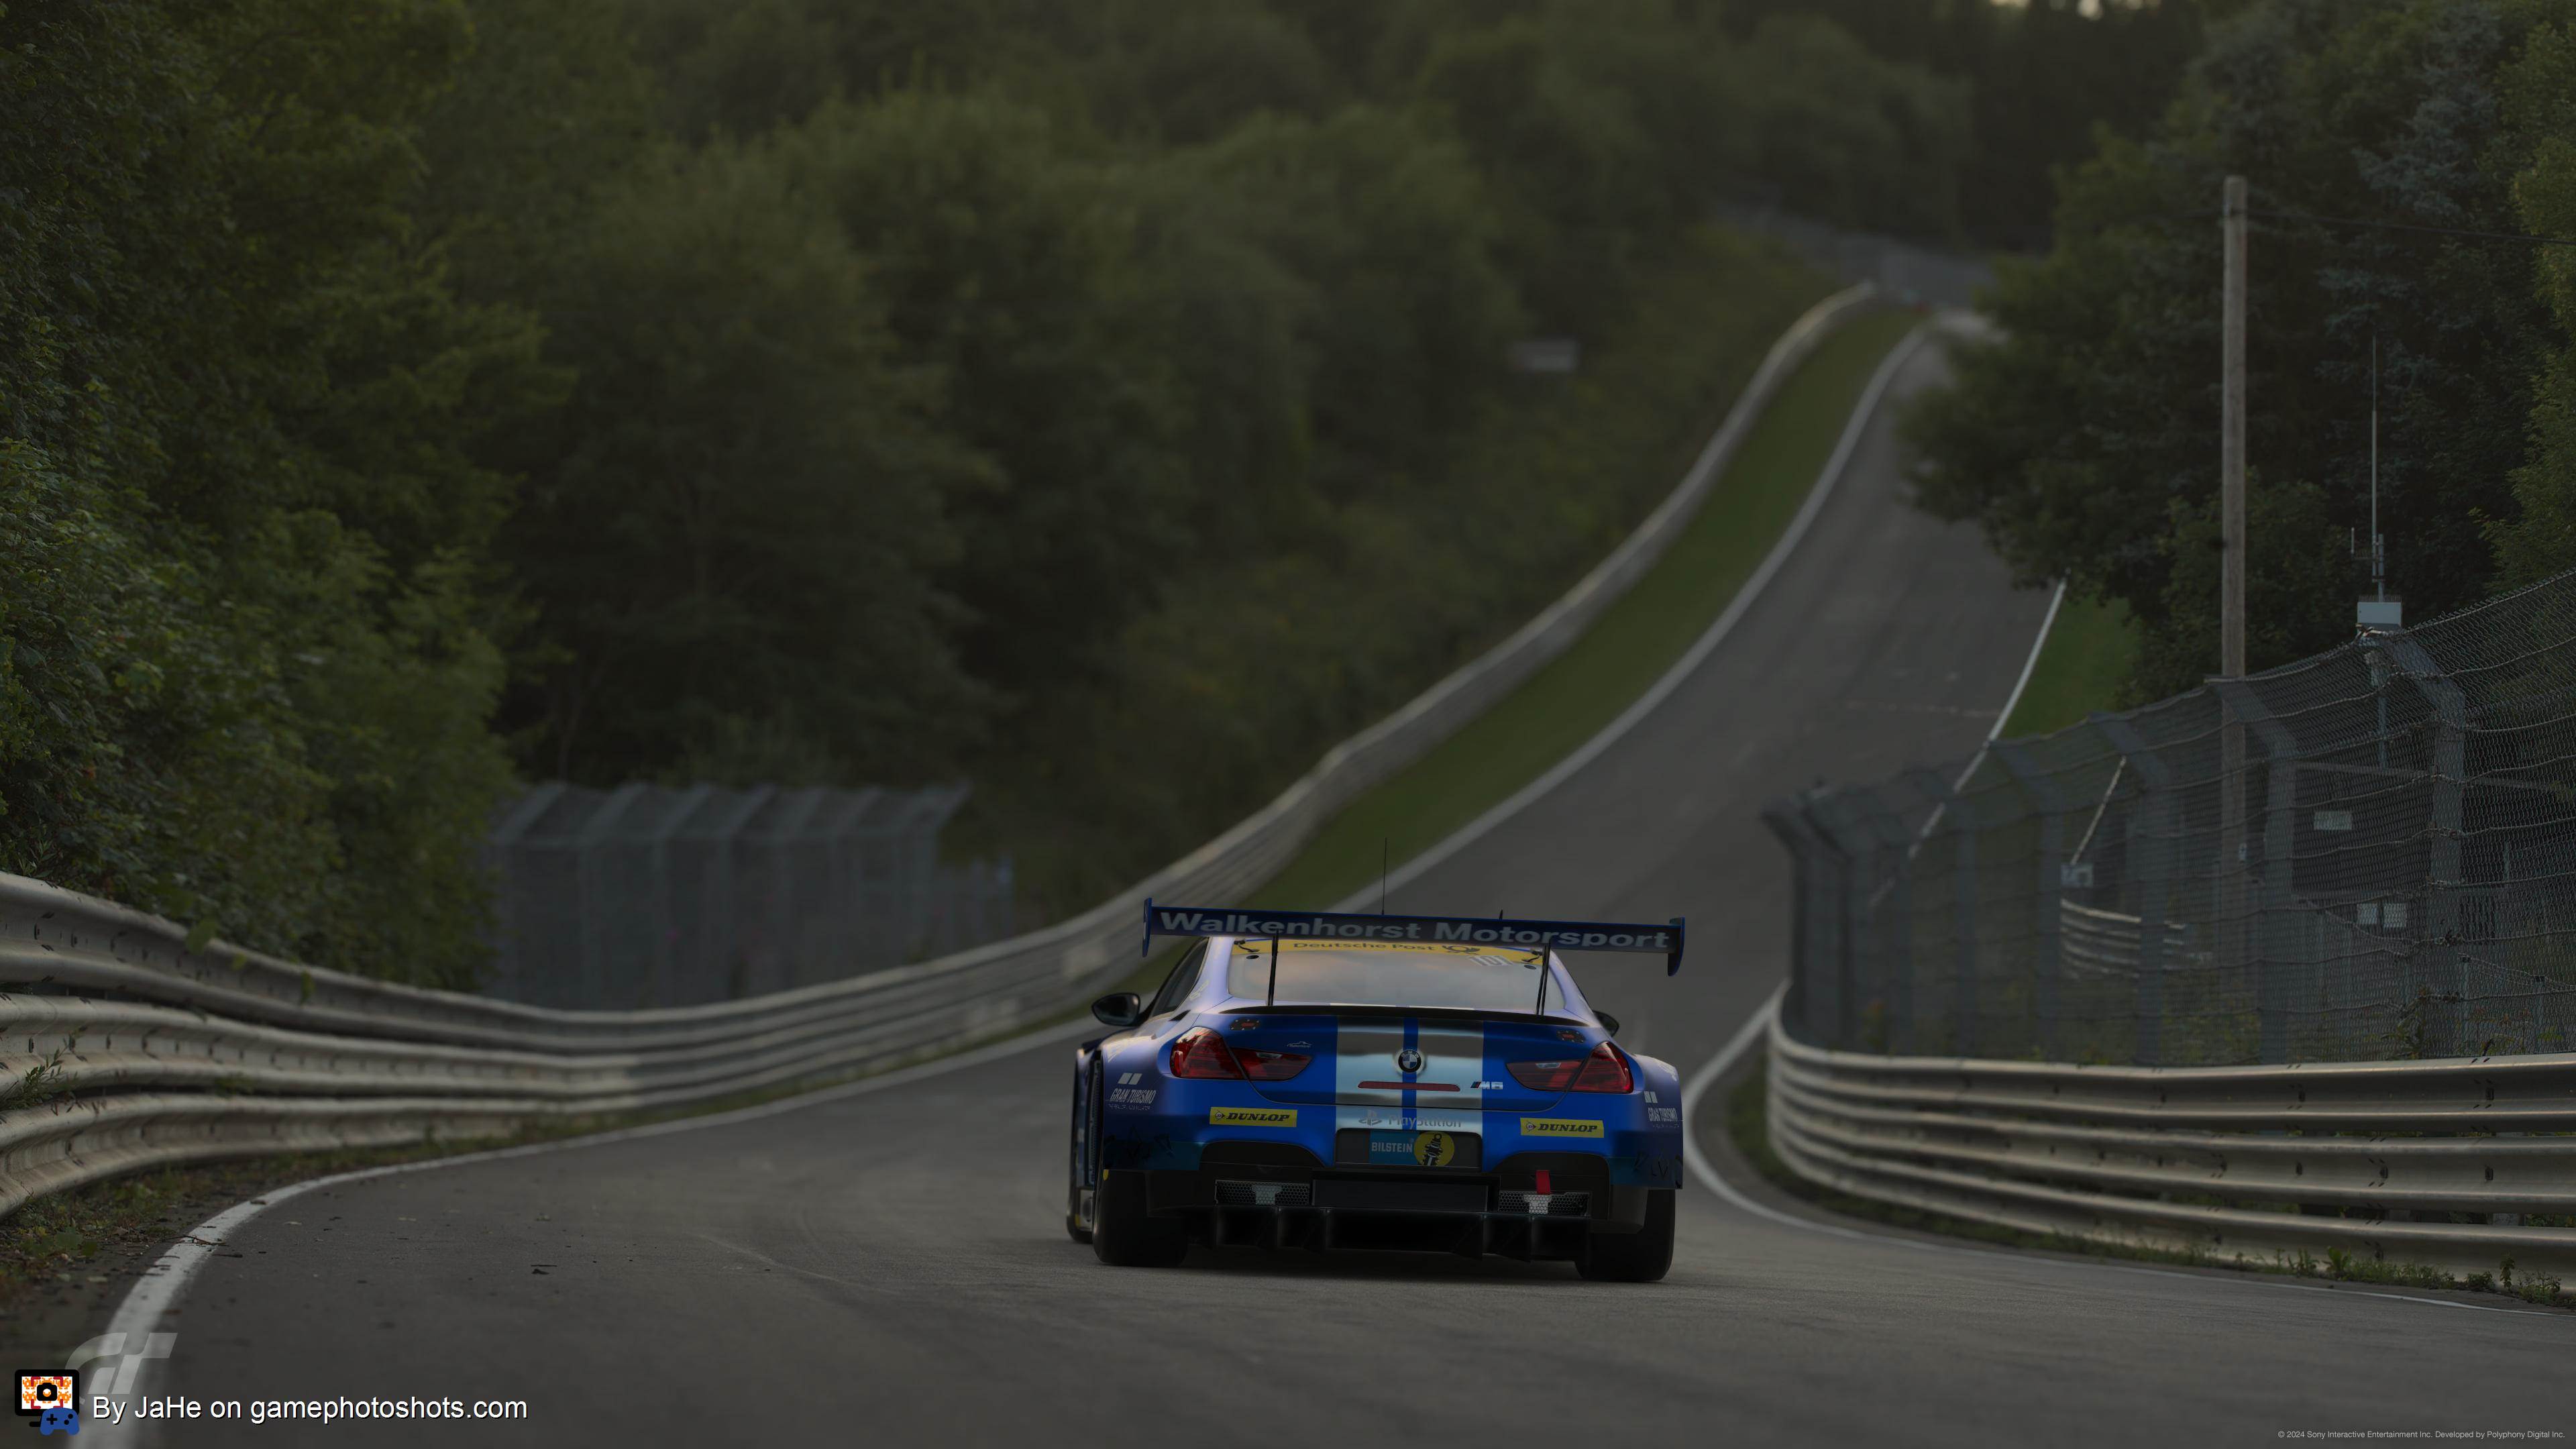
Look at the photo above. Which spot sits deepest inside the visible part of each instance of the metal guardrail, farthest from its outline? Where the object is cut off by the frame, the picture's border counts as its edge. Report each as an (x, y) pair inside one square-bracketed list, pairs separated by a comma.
[(122, 1047), (2257, 1164)]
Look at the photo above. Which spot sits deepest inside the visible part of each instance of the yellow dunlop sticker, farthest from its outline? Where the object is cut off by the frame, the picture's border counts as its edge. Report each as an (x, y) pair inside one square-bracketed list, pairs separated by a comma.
[(1270, 1117), (1558, 1127)]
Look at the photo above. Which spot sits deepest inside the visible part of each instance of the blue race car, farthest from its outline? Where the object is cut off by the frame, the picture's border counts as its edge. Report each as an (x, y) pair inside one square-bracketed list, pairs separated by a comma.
[(1344, 1081)]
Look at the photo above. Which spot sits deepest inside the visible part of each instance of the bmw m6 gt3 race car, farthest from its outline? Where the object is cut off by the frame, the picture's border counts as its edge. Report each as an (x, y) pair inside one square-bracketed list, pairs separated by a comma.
[(1346, 1081)]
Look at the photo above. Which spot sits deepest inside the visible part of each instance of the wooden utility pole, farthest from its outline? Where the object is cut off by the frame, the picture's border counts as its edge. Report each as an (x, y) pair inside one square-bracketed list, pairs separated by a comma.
[(2231, 443), (2237, 927)]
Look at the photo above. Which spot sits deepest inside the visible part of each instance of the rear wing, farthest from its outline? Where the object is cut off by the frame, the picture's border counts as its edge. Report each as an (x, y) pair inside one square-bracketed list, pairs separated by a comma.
[(1664, 940)]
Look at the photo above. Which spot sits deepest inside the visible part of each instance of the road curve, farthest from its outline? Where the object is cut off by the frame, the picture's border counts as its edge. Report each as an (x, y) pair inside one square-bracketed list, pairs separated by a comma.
[(889, 1267)]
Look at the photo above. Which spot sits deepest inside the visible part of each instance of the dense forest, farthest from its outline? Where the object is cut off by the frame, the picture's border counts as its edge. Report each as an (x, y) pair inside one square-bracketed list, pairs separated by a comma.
[(1103, 402), (2404, 158), (2040, 79)]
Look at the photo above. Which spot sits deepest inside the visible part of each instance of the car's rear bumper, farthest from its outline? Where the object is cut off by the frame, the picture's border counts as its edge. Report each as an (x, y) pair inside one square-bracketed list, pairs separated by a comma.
[(1303, 1204)]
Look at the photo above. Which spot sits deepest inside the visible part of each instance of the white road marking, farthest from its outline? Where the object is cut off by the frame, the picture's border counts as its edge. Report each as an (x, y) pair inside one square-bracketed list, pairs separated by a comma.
[(152, 1304)]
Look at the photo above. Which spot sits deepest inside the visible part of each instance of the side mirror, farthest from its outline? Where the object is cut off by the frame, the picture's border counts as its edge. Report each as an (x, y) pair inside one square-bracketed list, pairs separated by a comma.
[(1609, 1023), (1119, 1008)]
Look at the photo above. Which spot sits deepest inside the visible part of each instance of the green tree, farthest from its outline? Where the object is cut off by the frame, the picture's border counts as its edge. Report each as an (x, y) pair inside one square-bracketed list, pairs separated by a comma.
[(1404, 310), (2088, 427), (245, 676), (1190, 75), (1843, 136), (2040, 77), (1008, 272), (1570, 170), (731, 526), (2539, 90)]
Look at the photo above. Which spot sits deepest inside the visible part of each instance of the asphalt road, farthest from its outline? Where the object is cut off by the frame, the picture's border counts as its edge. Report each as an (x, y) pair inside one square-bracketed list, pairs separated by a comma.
[(891, 1267)]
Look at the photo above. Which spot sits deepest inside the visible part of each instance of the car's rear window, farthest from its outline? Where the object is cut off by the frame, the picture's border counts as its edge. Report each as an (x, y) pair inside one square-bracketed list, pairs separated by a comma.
[(1467, 978)]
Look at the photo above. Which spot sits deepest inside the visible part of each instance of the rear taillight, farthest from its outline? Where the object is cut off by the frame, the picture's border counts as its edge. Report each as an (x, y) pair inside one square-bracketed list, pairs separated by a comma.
[(1269, 1066), (1202, 1053), (1553, 1076), (1605, 1070)]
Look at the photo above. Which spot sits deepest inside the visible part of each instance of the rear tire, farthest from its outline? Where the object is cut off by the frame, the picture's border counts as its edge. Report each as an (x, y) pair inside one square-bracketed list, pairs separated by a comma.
[(1643, 1256), (1124, 1236), (1082, 1160)]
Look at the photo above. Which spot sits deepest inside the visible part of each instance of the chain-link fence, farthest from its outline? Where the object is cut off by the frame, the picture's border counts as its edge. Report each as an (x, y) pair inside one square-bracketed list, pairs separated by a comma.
[(2367, 855), (655, 896)]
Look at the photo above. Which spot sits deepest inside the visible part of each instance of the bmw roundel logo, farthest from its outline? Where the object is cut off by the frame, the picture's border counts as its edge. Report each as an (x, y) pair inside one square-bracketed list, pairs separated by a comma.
[(1408, 1061)]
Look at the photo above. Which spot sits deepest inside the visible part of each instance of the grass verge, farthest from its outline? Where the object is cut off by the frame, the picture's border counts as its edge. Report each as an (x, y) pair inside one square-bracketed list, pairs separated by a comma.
[(1624, 652), (2082, 664), (1748, 1128)]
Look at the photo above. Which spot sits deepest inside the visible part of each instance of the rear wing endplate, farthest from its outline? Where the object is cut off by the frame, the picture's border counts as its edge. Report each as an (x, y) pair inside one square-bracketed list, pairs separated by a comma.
[(1664, 940)]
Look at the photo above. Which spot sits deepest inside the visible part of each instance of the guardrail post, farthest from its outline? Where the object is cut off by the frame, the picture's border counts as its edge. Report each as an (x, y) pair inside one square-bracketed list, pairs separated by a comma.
[(2441, 928), (2275, 962), (2152, 845), (2050, 806)]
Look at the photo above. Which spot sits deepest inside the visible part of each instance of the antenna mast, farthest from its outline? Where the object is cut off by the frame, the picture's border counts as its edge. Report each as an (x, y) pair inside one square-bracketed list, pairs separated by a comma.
[(2378, 546), (2377, 611)]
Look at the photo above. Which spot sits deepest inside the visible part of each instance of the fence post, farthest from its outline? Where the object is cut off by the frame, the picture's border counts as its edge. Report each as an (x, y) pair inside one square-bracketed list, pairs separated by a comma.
[(1878, 915), (2153, 843), (1817, 998), (1954, 807), (2275, 902), (724, 888), (2050, 806), (509, 963), (1850, 909), (2450, 775), (667, 990), (848, 879), (589, 890)]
